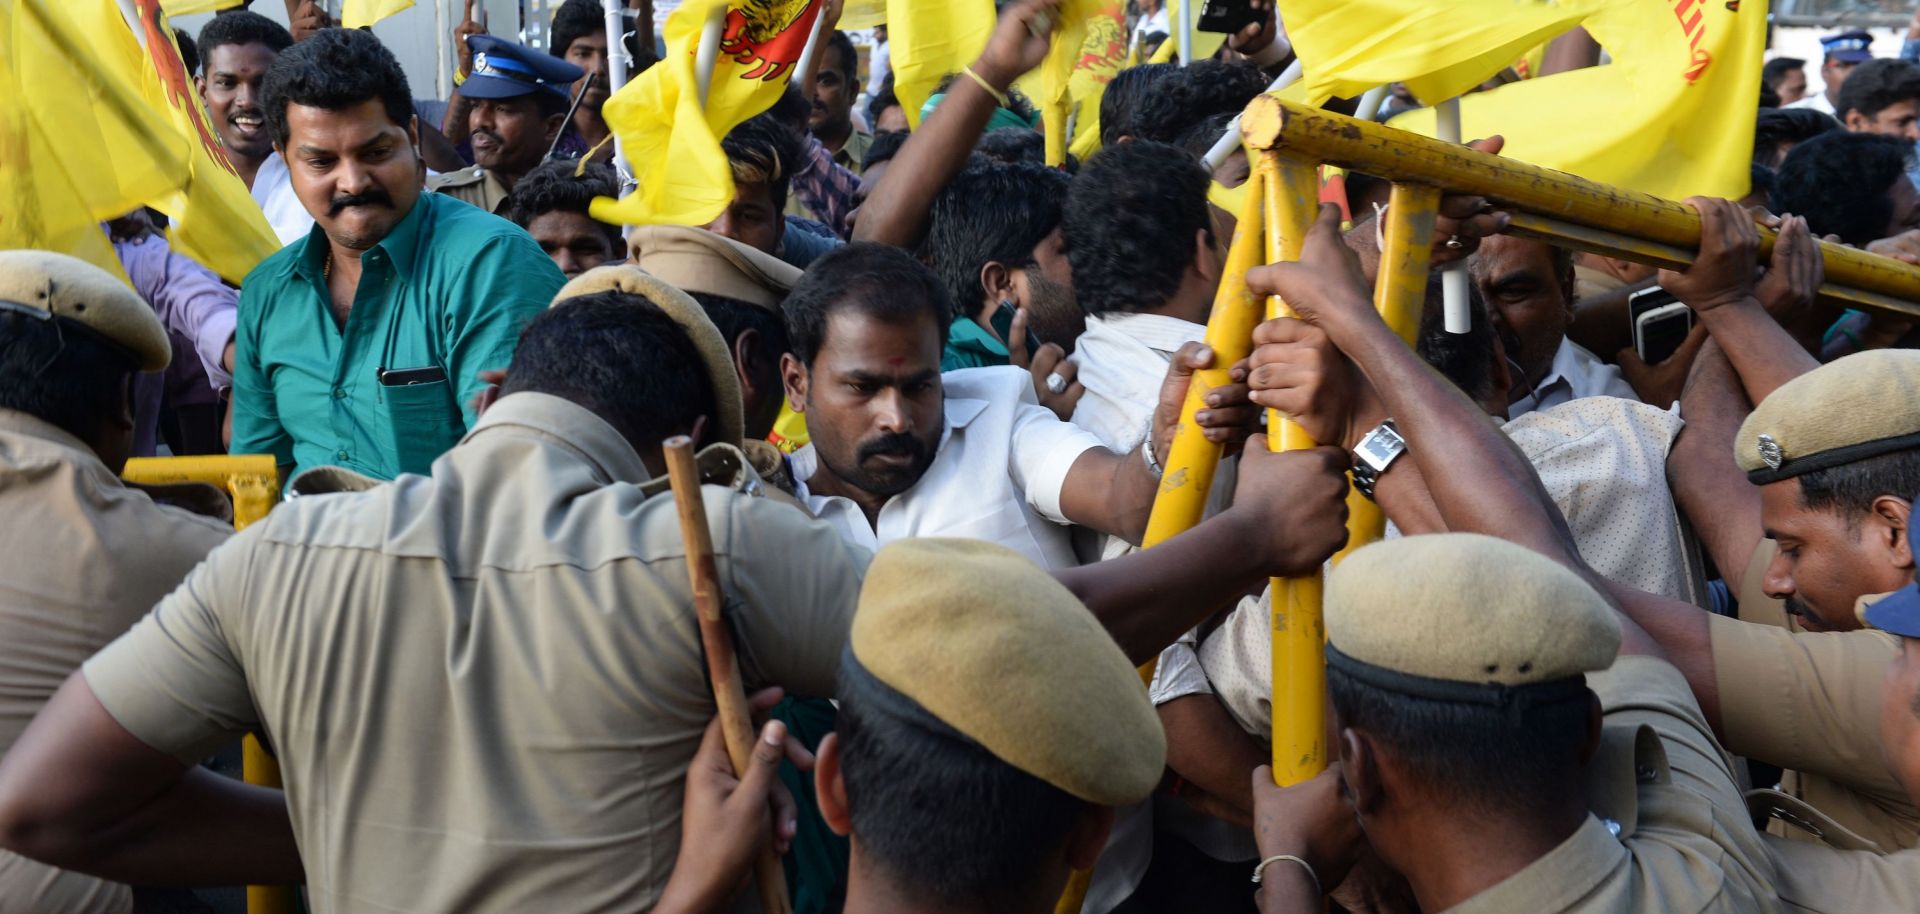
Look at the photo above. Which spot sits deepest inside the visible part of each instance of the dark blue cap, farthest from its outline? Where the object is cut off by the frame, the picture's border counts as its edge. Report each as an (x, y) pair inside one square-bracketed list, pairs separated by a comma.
[(1848, 47), (503, 69)]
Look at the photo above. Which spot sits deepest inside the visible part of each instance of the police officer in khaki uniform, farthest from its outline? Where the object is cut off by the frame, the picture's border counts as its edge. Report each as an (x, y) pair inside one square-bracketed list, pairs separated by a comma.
[(82, 556), (518, 106), (1476, 685), (741, 288), (483, 685)]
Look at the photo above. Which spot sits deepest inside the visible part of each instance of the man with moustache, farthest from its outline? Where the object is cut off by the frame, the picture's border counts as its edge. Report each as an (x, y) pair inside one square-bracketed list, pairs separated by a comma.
[(237, 47), (516, 107), (361, 344)]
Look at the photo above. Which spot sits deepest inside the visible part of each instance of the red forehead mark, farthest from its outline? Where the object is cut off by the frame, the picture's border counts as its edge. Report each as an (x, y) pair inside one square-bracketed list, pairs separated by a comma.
[(896, 361)]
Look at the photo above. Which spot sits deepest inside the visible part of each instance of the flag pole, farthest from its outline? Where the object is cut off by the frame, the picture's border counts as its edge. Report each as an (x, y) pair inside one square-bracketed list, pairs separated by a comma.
[(1453, 280), (1370, 103), (804, 69), (709, 50), (1230, 140), (1185, 28), (616, 73)]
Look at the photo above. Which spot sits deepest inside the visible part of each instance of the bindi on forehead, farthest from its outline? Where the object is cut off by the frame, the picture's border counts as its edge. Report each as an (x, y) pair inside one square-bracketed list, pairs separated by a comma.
[(896, 362)]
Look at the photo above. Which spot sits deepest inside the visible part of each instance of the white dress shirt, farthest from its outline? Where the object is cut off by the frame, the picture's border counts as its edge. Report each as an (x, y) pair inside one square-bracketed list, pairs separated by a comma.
[(1575, 373), (1818, 101), (997, 476), (273, 190), (1123, 360)]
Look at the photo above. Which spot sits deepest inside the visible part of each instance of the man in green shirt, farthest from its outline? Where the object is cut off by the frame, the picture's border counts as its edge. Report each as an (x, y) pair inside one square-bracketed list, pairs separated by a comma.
[(361, 345)]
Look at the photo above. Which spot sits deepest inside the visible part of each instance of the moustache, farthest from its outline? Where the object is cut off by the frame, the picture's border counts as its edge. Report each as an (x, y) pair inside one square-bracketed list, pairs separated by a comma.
[(492, 137), (896, 444), (370, 198)]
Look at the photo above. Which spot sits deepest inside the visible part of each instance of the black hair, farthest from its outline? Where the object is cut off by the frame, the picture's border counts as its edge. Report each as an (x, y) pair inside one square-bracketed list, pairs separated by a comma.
[(1125, 94), (1466, 359), (886, 144), (1010, 146), (336, 69), (996, 213), (242, 27), (1191, 95), (936, 812), (841, 44), (1850, 488), (883, 98), (1878, 84), (1199, 137), (1774, 126), (734, 317), (61, 372), (1131, 217), (877, 279), (1490, 758), (553, 186), (619, 355), (766, 149), (1839, 181), (1760, 181), (1777, 69), (572, 20), (189, 52)]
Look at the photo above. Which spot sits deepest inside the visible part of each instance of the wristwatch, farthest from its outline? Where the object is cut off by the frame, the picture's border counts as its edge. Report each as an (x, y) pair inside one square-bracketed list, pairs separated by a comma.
[(1374, 454)]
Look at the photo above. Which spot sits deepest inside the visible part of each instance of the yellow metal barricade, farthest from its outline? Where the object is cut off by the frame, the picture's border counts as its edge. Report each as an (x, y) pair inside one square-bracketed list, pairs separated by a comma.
[(253, 482)]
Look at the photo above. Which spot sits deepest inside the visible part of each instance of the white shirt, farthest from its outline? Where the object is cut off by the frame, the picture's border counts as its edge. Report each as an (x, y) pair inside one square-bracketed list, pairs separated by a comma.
[(1817, 101), (1154, 22), (997, 476), (273, 190), (1575, 373), (879, 64), (1123, 361)]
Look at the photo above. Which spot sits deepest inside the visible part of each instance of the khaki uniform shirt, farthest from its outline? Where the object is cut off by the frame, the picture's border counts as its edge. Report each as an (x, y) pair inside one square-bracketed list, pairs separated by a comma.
[(475, 185), (484, 685), (1810, 702), (82, 558), (1684, 845), (1816, 878)]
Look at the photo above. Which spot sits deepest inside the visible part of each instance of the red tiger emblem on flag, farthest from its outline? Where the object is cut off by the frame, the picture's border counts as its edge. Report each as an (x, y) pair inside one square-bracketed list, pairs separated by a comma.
[(769, 34), (173, 76)]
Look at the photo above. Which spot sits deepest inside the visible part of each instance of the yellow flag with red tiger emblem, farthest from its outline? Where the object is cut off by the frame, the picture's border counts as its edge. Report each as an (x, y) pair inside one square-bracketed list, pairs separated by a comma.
[(137, 135), (1103, 54), (671, 142)]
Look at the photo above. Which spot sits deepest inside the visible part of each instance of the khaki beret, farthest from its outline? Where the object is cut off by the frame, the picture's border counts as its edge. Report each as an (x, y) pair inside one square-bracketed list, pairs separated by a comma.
[(1463, 617), (714, 351), (995, 648), (696, 260), (1861, 406), (43, 282)]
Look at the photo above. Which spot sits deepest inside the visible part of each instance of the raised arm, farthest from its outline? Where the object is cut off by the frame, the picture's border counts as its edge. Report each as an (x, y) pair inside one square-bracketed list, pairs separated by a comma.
[(1719, 287), (1708, 486), (895, 212)]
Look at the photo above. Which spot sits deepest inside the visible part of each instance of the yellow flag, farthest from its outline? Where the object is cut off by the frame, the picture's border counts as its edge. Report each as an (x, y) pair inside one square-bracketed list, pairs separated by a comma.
[(862, 14), (932, 39), (1672, 115), (189, 7), (362, 13), (1205, 44), (674, 145), (1439, 50), (136, 135)]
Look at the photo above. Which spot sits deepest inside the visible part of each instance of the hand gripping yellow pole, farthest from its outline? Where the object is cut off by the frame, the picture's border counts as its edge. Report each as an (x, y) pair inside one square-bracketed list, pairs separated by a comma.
[(1291, 196), (253, 482), (1399, 294)]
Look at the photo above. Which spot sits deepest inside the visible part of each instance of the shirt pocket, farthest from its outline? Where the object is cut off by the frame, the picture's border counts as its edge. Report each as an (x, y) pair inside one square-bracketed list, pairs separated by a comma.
[(423, 422)]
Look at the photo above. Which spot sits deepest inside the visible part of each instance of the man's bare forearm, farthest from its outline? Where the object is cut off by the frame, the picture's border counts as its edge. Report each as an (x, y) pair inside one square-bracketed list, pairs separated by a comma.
[(1708, 486), (1151, 597), (1763, 352)]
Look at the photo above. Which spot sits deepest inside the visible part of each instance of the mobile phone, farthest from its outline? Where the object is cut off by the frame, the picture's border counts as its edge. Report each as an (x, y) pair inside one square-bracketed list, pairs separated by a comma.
[(408, 377), (1660, 324), (1228, 16), (1002, 321)]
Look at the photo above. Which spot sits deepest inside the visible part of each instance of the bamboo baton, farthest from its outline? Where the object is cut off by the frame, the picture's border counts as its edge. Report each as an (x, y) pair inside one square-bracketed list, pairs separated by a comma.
[(716, 641)]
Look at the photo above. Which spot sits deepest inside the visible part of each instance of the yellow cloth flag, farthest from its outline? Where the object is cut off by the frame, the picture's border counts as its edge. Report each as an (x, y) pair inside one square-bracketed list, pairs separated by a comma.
[(931, 39), (1102, 54), (189, 7), (137, 135), (362, 13), (1672, 115), (1205, 44), (1439, 50), (673, 145), (858, 15)]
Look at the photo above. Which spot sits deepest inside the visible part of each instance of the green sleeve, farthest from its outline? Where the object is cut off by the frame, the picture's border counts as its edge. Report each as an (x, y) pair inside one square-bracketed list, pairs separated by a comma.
[(256, 416), (511, 281)]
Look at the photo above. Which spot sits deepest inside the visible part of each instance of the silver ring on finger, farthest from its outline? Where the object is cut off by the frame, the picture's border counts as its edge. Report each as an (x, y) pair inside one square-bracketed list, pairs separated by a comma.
[(1056, 383), (1454, 243)]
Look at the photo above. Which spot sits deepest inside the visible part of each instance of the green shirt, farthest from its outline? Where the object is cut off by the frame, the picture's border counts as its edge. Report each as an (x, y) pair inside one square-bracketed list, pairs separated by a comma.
[(969, 345), (449, 288)]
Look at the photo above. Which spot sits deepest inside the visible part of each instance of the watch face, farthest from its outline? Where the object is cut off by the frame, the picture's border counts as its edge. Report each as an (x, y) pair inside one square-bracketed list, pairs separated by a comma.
[(1380, 447)]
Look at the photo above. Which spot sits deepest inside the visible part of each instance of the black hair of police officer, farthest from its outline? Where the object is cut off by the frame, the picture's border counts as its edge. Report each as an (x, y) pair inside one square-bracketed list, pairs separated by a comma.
[(1133, 215), (878, 280), (934, 811), (620, 356), (335, 70), (1840, 181), (62, 373)]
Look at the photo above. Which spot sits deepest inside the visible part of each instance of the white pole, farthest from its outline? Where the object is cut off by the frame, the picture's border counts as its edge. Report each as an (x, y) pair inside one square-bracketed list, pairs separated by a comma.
[(1230, 140), (1453, 288), (1185, 28), (805, 65), (616, 71), (1370, 103), (709, 50)]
